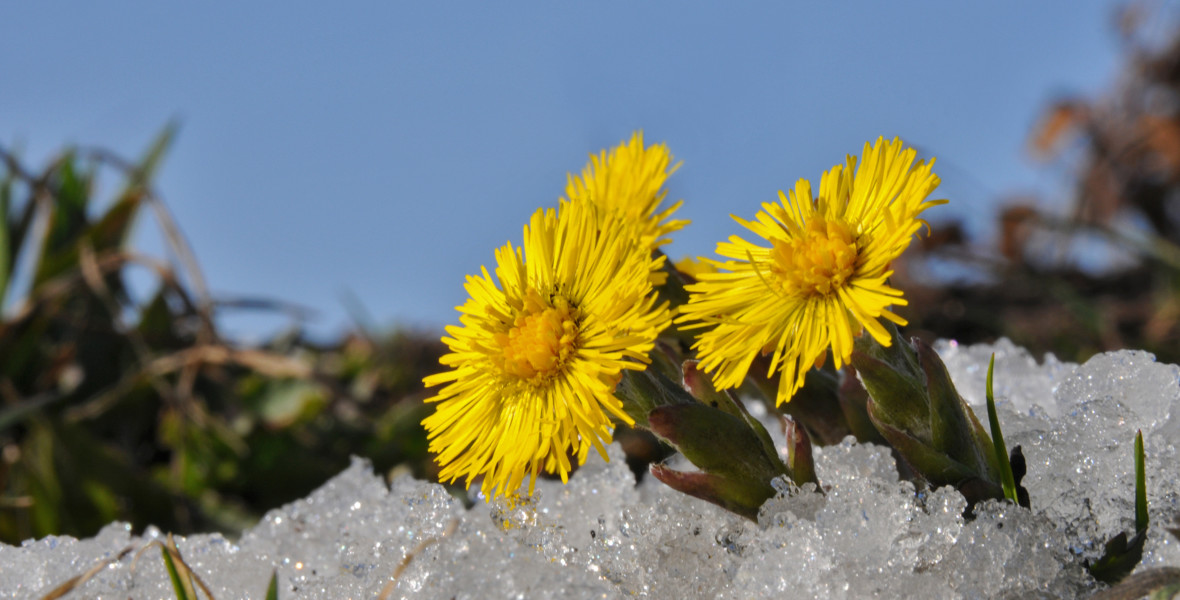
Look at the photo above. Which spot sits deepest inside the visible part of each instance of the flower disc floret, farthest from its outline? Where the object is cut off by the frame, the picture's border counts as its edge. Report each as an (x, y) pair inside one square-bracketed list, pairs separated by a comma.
[(817, 261), (541, 340)]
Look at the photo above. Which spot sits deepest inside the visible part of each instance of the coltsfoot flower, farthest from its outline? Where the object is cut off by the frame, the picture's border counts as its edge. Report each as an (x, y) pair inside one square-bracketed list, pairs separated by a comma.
[(534, 365), (630, 181), (824, 277)]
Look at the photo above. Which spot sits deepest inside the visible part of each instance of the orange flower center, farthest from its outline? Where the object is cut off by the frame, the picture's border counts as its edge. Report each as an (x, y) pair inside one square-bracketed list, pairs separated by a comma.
[(541, 339), (818, 262)]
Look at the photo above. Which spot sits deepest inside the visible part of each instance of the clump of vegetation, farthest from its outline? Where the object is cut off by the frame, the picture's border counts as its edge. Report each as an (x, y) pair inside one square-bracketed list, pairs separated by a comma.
[(116, 407)]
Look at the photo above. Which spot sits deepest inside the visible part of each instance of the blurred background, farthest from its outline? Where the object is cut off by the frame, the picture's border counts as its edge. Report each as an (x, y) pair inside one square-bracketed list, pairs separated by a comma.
[(234, 234)]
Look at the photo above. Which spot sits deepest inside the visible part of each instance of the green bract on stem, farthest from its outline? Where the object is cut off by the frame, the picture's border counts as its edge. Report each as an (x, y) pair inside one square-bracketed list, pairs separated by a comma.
[(712, 429), (915, 406)]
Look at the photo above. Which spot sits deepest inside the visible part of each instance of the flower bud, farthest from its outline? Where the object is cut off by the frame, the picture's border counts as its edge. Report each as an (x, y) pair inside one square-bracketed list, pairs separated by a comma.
[(915, 406)]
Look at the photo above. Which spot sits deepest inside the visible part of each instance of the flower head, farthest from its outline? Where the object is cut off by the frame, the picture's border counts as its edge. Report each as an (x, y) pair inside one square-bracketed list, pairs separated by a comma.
[(822, 279), (534, 365), (630, 181)]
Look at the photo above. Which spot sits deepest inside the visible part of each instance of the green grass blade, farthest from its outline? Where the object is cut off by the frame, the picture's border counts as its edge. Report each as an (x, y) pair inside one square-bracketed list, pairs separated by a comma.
[(177, 584), (1006, 479), (272, 590), (1140, 484), (149, 164)]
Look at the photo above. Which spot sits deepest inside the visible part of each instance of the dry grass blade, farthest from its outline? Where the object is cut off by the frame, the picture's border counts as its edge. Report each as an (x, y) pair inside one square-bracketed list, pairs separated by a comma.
[(174, 554), (260, 361), (109, 262), (181, 564), (182, 584), (20, 408), (184, 253), (267, 363), (79, 580), (409, 557)]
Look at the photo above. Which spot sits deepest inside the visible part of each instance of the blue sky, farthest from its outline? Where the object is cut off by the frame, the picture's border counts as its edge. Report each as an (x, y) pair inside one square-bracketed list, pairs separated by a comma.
[(384, 150)]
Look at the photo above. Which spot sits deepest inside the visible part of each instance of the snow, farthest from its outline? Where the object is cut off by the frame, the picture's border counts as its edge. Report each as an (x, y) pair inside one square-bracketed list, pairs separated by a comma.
[(601, 536)]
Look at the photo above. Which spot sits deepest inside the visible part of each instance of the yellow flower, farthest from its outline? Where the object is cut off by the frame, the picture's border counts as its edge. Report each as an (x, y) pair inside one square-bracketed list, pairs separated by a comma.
[(694, 267), (823, 278), (630, 181), (534, 365)]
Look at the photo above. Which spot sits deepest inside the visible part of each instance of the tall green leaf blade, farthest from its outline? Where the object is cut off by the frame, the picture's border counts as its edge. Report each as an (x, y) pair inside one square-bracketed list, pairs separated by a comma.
[(153, 157), (178, 585), (1141, 520), (111, 230), (1121, 555), (1006, 478), (272, 590), (67, 220), (71, 199)]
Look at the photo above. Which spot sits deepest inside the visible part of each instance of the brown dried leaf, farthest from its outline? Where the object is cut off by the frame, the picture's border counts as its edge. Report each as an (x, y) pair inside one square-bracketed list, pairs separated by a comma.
[(1062, 118)]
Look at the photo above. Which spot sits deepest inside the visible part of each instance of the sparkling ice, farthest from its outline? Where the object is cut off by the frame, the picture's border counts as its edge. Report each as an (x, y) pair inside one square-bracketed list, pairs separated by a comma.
[(601, 536)]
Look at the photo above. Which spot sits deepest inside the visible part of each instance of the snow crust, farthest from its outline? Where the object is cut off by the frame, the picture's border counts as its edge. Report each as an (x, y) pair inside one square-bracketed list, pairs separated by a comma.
[(601, 536)]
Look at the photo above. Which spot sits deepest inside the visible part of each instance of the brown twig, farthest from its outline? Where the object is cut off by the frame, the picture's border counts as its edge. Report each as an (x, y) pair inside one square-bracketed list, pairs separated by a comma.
[(79, 580)]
